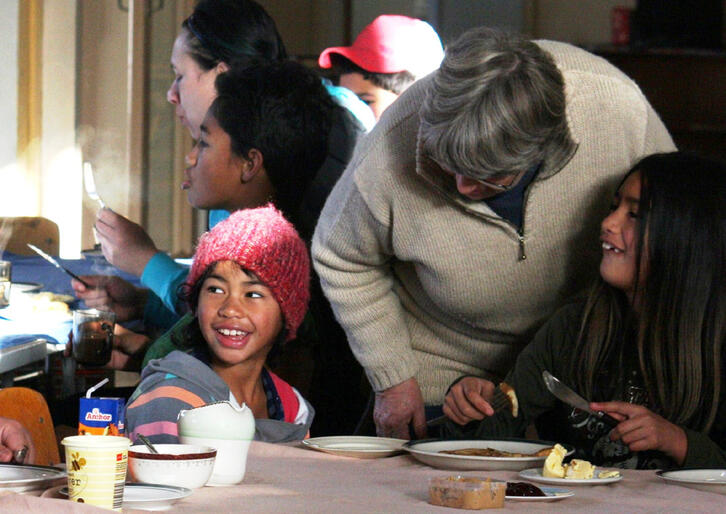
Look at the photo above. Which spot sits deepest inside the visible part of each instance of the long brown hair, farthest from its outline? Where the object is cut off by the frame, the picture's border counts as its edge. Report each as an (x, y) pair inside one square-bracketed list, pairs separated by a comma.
[(681, 320)]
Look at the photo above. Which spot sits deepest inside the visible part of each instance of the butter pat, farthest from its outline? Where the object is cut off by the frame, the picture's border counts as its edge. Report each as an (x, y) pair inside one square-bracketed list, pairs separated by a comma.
[(553, 464), (579, 469), (609, 474), (467, 492)]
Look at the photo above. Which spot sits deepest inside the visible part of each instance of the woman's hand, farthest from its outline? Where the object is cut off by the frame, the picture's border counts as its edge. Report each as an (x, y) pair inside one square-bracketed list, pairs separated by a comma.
[(468, 400), (642, 429), (124, 243), (13, 437), (112, 293), (399, 407)]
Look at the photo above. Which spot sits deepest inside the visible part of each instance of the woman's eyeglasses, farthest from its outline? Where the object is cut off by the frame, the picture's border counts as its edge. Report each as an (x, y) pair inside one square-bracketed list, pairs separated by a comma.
[(488, 183), (502, 187)]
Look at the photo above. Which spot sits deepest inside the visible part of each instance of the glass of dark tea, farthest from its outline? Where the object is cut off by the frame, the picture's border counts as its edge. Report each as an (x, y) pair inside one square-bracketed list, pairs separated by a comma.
[(93, 336)]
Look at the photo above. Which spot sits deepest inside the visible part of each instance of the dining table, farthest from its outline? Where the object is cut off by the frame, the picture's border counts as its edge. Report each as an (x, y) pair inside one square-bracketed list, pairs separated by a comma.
[(27, 339), (293, 478)]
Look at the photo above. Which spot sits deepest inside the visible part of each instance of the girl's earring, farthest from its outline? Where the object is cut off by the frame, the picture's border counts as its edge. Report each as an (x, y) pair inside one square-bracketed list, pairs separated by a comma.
[(246, 175)]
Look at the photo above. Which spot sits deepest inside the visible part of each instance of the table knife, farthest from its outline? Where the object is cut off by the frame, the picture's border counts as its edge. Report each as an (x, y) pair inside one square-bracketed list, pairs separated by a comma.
[(58, 265), (570, 397)]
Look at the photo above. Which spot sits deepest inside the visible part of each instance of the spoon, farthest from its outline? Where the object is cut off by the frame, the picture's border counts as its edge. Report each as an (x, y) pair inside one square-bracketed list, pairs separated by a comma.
[(90, 184), (148, 444)]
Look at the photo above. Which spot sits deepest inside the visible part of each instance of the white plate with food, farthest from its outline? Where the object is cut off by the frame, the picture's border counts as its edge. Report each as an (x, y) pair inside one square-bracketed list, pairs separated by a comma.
[(18, 478), (39, 308), (550, 494), (536, 475), (499, 454), (148, 496), (360, 447), (26, 287), (710, 480)]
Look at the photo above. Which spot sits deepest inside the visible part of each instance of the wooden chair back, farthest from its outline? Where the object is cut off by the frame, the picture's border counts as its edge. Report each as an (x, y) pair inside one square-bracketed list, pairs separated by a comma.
[(41, 232), (31, 410)]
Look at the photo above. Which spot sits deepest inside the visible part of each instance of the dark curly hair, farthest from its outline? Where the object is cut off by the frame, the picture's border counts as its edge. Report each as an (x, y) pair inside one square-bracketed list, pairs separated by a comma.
[(283, 110)]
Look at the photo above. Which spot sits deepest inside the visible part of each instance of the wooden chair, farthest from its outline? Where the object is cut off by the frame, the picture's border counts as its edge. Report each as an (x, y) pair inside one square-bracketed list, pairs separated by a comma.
[(31, 410), (38, 231)]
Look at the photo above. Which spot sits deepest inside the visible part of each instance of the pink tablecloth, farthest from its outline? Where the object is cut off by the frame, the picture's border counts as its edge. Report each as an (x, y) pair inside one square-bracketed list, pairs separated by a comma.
[(297, 479)]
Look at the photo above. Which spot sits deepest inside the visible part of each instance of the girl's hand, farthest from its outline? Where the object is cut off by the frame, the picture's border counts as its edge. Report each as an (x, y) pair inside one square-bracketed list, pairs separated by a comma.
[(642, 429), (128, 349), (109, 292), (468, 400)]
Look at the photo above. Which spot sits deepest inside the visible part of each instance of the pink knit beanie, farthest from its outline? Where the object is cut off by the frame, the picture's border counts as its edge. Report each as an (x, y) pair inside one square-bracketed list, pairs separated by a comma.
[(262, 241)]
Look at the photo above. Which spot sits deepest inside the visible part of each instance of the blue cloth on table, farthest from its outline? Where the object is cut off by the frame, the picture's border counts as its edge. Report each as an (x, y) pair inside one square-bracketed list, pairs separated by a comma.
[(18, 339), (32, 268)]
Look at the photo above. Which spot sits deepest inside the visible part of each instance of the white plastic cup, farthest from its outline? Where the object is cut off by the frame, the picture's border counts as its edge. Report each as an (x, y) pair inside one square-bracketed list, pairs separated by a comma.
[(96, 466)]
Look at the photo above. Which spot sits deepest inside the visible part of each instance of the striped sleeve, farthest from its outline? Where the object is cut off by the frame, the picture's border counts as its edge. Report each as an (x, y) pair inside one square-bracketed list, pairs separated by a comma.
[(154, 412)]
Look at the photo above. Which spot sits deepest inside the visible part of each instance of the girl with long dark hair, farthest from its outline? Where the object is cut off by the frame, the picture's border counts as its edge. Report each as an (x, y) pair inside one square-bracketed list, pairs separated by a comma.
[(647, 345)]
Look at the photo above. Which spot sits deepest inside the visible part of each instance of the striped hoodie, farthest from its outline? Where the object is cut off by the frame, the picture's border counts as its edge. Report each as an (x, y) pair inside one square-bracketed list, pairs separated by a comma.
[(181, 381)]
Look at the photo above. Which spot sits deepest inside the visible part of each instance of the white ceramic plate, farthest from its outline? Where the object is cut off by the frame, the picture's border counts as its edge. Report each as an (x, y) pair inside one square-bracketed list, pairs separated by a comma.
[(536, 475), (711, 480), (428, 452), (14, 477), (26, 287), (360, 447), (553, 494), (148, 496)]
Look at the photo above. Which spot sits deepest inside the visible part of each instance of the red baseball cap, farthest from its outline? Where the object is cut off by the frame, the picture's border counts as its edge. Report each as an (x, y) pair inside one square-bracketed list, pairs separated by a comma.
[(392, 43)]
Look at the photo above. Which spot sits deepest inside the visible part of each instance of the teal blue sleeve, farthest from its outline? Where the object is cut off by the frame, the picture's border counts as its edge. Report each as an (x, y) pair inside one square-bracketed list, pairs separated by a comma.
[(348, 99), (164, 276), (215, 216), (157, 315)]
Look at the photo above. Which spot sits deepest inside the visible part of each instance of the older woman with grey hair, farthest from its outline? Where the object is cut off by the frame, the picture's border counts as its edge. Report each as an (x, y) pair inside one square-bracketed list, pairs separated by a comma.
[(471, 212)]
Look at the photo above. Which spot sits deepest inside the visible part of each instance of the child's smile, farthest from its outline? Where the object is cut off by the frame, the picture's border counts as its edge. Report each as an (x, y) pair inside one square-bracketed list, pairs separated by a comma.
[(238, 315), (619, 237)]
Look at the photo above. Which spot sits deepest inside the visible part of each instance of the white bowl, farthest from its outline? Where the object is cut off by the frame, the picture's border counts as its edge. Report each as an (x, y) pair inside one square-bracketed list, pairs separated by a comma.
[(182, 465)]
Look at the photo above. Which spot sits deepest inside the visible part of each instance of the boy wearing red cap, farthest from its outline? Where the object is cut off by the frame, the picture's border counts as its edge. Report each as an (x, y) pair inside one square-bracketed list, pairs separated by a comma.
[(248, 290), (389, 55)]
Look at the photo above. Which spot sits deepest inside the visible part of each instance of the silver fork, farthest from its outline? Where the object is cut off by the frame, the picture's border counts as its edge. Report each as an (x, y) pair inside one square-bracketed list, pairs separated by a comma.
[(90, 184)]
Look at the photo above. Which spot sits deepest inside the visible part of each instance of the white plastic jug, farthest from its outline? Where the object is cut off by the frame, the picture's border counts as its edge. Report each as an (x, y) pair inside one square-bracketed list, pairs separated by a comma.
[(223, 426)]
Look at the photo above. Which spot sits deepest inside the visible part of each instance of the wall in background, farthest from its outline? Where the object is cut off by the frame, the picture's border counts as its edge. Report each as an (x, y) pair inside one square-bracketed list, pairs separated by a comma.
[(61, 185), (456, 16), (584, 22), (9, 85), (90, 89), (102, 114)]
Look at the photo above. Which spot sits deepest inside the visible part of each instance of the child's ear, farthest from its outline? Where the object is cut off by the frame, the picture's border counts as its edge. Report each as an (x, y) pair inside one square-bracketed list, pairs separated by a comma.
[(222, 67), (252, 165)]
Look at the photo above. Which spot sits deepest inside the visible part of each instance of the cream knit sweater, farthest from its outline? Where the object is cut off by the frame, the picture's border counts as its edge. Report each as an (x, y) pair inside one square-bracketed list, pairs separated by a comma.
[(428, 284)]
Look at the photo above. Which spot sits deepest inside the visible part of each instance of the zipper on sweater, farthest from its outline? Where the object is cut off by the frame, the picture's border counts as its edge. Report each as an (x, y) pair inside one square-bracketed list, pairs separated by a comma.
[(520, 237), (520, 230)]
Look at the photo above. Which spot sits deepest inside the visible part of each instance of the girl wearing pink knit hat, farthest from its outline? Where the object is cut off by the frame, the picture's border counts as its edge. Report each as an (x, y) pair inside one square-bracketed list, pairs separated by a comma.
[(248, 290)]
